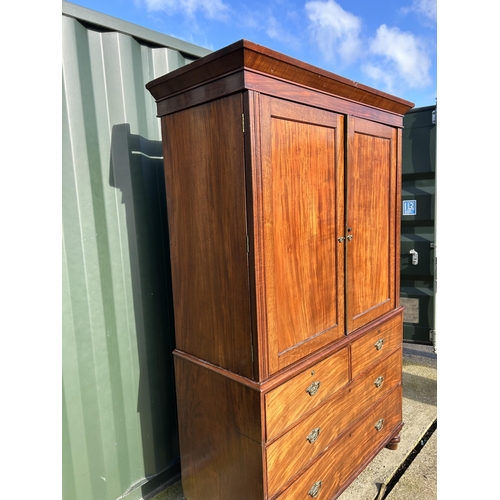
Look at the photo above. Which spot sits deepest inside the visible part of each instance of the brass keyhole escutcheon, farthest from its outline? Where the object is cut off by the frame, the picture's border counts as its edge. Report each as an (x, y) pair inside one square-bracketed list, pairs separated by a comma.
[(379, 381), (379, 425), (379, 344)]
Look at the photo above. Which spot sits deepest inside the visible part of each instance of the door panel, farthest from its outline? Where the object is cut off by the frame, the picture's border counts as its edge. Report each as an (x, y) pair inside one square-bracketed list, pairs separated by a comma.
[(302, 179), (370, 244)]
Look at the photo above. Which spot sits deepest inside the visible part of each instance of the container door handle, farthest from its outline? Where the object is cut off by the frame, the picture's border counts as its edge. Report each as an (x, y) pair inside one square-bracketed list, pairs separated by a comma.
[(414, 256)]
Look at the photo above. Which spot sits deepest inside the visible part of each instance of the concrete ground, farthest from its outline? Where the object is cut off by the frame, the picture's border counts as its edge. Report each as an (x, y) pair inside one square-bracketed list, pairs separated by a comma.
[(402, 474)]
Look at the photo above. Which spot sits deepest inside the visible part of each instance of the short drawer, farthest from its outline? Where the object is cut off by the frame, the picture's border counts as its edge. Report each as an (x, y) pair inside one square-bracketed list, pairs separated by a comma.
[(303, 442), (376, 344), (352, 450), (304, 392)]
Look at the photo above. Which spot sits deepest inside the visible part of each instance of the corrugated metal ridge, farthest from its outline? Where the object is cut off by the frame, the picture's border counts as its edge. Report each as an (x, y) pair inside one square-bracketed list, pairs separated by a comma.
[(112, 23)]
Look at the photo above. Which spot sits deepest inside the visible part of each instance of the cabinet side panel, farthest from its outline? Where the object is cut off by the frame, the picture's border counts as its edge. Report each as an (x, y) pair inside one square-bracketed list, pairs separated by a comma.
[(205, 183), (371, 207), (219, 435)]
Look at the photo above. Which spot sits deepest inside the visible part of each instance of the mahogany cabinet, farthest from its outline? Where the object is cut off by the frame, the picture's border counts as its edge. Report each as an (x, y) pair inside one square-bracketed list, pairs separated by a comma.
[(283, 188)]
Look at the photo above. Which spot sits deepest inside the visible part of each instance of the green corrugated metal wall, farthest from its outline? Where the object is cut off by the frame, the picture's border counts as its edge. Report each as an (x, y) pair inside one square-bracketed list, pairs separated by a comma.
[(119, 423)]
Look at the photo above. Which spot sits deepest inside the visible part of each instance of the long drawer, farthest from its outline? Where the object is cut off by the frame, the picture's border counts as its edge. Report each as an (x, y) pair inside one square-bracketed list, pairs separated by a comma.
[(352, 450), (293, 451), (375, 345), (304, 392)]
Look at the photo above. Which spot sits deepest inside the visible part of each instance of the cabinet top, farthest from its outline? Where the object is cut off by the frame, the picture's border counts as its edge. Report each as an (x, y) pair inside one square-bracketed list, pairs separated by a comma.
[(248, 56)]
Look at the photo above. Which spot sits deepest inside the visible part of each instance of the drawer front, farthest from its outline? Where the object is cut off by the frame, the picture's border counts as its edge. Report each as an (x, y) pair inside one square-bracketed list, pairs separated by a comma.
[(376, 344), (292, 399), (293, 451), (376, 382), (354, 448)]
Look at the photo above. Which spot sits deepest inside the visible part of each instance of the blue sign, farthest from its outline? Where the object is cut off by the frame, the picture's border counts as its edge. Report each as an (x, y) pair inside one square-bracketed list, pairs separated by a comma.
[(410, 207)]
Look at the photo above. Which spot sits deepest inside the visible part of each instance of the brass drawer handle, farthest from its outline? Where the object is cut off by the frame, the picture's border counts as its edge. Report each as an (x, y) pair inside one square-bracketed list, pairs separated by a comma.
[(313, 435), (379, 344), (314, 491), (379, 425), (313, 388), (379, 381)]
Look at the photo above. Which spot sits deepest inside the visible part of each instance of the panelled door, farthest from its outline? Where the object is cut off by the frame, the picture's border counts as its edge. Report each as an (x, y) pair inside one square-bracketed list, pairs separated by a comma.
[(302, 171), (370, 221)]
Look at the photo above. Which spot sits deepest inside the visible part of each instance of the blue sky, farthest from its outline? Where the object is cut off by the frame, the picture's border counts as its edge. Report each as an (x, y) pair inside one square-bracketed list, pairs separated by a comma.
[(389, 44)]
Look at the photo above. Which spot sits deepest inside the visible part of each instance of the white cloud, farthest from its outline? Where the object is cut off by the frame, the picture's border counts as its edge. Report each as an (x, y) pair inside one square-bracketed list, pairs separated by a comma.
[(403, 56), (427, 8), (275, 30), (379, 75), (335, 30), (214, 9)]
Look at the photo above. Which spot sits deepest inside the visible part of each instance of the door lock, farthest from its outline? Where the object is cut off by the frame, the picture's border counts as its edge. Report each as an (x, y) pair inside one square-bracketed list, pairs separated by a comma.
[(414, 256)]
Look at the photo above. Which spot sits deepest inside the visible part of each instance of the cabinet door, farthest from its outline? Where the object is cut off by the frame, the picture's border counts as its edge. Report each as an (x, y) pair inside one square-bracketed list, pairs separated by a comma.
[(302, 161), (371, 221)]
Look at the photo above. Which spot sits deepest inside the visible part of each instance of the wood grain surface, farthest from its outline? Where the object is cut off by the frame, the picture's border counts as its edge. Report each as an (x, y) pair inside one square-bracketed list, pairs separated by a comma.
[(303, 183), (371, 221), (205, 184), (292, 452), (353, 449), (289, 401)]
